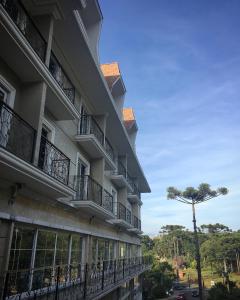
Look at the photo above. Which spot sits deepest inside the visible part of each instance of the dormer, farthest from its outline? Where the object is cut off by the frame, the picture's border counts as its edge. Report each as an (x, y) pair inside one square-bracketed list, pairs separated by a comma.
[(115, 84), (130, 124)]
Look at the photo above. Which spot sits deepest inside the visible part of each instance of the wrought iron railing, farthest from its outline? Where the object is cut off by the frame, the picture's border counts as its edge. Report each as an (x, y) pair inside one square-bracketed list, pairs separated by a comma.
[(61, 77), (53, 161), (88, 125), (123, 213), (130, 181), (121, 169), (82, 281), (16, 135), (25, 24), (136, 223), (107, 200), (109, 149), (128, 216), (88, 189)]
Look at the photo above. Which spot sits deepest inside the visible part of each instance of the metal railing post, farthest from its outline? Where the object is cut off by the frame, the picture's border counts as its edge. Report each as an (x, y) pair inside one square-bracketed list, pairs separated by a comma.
[(57, 286), (114, 271), (103, 275), (85, 282)]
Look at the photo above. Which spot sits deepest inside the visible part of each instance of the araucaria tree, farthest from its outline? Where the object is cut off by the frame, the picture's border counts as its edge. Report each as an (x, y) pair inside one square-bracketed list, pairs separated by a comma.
[(194, 196)]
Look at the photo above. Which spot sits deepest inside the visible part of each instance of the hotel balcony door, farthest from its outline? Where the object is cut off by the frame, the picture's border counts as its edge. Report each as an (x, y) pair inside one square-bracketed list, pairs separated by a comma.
[(81, 180)]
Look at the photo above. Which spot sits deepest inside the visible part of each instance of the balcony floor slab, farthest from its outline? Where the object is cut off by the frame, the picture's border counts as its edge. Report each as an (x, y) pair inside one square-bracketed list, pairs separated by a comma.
[(92, 208), (16, 170)]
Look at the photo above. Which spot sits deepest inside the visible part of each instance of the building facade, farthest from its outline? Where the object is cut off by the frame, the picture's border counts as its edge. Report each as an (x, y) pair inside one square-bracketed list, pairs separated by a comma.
[(70, 180)]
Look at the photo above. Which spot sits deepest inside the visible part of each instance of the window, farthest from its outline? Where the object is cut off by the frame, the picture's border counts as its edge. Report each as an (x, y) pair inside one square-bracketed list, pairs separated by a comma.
[(20, 258), (62, 249), (3, 94), (122, 250), (44, 259), (43, 251), (76, 251)]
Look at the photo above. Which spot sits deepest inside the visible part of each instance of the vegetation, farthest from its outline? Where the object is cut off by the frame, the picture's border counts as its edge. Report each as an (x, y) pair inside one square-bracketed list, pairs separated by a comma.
[(174, 246), (223, 292)]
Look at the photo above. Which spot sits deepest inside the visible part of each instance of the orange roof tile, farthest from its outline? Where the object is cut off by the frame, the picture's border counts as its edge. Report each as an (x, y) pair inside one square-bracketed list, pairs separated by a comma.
[(111, 69), (128, 117), (128, 114)]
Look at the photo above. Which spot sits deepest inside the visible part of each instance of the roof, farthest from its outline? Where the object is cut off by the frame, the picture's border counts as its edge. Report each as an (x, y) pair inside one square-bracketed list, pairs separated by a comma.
[(112, 74), (129, 117)]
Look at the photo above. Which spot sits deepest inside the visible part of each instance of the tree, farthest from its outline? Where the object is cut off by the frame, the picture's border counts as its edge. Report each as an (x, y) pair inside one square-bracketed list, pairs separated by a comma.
[(194, 196), (147, 244), (215, 228)]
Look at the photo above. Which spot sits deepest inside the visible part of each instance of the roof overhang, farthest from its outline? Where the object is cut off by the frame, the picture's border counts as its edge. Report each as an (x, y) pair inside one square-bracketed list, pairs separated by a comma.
[(86, 71)]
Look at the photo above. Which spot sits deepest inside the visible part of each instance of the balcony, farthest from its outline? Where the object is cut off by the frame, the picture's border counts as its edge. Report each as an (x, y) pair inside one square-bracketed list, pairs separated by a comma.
[(23, 21), (53, 161), (17, 144), (134, 196), (61, 78), (119, 177), (136, 226), (80, 281), (123, 216), (91, 138), (19, 33), (92, 197)]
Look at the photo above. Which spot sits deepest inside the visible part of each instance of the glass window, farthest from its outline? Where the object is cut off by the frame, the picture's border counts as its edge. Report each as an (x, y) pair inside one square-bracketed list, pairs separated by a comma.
[(44, 259), (62, 249), (94, 249), (101, 249), (111, 250), (20, 258), (3, 94), (122, 250), (76, 251)]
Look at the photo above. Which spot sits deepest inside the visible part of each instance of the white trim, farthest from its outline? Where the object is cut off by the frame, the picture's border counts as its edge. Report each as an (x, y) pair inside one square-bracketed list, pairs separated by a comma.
[(50, 127), (85, 161), (12, 91)]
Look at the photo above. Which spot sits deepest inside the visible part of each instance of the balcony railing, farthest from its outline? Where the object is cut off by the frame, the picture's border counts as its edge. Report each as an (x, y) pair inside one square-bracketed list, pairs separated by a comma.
[(122, 170), (82, 281), (130, 181), (109, 149), (16, 135), (88, 125), (53, 161), (123, 213), (61, 77), (136, 223), (88, 189), (25, 24)]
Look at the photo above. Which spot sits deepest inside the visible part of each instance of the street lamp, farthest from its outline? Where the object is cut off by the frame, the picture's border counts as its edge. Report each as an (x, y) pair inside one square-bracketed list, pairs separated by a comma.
[(192, 197)]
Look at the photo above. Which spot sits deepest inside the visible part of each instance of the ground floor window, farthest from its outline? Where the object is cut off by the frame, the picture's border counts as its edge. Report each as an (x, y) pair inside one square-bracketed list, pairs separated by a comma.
[(36, 254), (102, 250)]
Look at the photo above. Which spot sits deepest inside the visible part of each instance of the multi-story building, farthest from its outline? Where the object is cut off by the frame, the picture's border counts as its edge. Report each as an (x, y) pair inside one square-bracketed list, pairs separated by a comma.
[(70, 180)]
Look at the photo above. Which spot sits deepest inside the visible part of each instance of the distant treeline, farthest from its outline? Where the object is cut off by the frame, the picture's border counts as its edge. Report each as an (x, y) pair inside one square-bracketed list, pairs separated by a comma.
[(219, 246)]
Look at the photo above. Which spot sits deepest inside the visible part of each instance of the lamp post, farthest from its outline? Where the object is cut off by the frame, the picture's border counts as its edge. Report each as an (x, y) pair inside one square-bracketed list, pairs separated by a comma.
[(192, 197)]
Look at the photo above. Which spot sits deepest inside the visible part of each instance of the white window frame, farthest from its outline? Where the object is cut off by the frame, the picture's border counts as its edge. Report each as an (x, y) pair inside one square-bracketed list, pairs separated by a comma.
[(50, 128), (86, 162), (10, 100)]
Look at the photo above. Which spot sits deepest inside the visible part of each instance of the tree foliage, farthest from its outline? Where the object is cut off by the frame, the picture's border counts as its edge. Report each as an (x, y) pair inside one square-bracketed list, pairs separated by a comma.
[(195, 195), (221, 292)]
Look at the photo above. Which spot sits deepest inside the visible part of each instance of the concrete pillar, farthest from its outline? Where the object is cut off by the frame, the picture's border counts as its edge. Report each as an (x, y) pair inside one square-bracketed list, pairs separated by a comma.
[(33, 96)]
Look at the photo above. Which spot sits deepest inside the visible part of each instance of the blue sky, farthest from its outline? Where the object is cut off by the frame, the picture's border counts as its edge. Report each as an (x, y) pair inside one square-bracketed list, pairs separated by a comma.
[(180, 61)]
